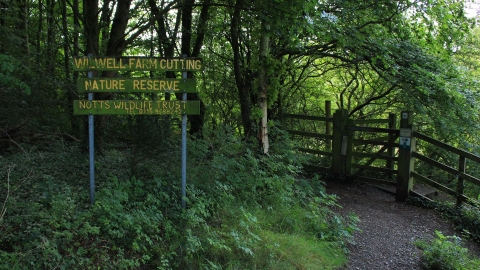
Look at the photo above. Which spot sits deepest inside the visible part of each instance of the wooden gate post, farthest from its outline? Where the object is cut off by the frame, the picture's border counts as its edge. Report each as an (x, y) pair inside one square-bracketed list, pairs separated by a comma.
[(328, 130), (339, 123), (392, 124), (347, 150), (283, 120), (462, 162), (405, 159)]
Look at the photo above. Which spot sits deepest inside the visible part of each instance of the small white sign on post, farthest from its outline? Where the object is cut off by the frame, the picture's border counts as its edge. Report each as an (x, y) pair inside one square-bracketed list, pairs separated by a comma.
[(406, 132)]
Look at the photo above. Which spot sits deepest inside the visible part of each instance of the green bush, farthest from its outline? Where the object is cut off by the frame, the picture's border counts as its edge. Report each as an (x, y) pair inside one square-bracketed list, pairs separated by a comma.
[(446, 253), (241, 206)]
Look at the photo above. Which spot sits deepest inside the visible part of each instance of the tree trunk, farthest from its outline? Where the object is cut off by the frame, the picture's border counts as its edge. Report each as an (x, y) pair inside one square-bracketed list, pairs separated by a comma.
[(23, 27), (196, 121), (72, 94), (51, 46), (242, 84), (90, 22), (262, 88), (39, 30)]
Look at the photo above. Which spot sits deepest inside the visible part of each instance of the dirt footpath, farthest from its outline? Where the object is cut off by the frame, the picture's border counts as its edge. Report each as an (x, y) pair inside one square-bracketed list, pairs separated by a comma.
[(388, 228)]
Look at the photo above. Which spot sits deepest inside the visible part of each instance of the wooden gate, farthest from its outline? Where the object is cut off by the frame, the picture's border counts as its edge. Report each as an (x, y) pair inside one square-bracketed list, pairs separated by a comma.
[(357, 147)]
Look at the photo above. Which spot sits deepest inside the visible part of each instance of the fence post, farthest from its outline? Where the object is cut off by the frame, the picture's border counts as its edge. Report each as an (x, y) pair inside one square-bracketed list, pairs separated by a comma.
[(392, 124), (283, 121), (339, 121), (328, 130), (405, 159), (462, 162), (350, 135)]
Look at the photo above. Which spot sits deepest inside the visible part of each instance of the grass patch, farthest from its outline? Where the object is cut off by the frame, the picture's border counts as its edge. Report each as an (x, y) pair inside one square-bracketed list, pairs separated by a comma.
[(302, 252)]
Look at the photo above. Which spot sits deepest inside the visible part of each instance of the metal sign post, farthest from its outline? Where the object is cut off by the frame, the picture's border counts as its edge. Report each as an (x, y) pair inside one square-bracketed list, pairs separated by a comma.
[(184, 150), (91, 148), (93, 107)]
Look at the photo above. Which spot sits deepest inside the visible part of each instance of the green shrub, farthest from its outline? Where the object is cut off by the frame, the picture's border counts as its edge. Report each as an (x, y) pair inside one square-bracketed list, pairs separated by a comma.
[(241, 206), (446, 253)]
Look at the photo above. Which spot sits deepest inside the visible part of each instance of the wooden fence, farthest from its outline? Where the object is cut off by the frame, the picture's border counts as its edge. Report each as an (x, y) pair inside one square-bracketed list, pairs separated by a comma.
[(356, 147)]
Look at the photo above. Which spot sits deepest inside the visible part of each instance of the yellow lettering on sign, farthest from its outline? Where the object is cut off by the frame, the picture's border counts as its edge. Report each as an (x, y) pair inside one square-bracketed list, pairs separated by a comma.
[(198, 64), (82, 104), (81, 62), (136, 84), (122, 66), (100, 62), (117, 104)]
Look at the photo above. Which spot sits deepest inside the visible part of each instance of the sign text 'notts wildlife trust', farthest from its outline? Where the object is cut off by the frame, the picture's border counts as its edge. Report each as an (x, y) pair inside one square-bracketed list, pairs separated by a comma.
[(136, 107)]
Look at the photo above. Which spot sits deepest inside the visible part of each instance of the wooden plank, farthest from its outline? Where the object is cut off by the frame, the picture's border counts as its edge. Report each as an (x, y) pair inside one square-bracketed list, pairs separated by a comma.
[(374, 129), (142, 85), (313, 151), (315, 167), (447, 147), (462, 162), (373, 142), (349, 149), (375, 181), (309, 134), (308, 117), (433, 184), (339, 120), (391, 150), (104, 63), (447, 168), (418, 195), (383, 156), (373, 159), (435, 163), (371, 121), (136, 107), (371, 168)]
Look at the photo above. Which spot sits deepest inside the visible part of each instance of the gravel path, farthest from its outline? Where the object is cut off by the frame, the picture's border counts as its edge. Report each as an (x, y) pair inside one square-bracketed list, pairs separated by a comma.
[(388, 228)]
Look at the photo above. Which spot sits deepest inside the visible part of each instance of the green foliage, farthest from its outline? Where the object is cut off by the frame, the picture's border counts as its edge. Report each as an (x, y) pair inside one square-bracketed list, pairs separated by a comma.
[(8, 80), (243, 210), (446, 253)]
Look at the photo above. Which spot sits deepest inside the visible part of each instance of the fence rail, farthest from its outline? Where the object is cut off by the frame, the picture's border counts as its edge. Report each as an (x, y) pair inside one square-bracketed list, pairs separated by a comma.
[(355, 147)]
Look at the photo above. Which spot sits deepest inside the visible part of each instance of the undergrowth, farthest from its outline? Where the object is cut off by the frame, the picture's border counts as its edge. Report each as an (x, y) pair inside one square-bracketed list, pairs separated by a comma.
[(244, 210), (446, 253)]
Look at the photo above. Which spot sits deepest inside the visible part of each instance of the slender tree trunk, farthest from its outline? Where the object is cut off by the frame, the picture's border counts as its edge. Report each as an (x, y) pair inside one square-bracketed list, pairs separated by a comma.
[(242, 84), (165, 44), (90, 17), (51, 46), (262, 89), (39, 30), (196, 121), (72, 94), (23, 27), (66, 49), (115, 48), (90, 22)]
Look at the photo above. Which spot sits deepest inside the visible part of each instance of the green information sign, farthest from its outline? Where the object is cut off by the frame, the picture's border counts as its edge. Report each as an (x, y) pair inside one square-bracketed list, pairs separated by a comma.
[(85, 63), (136, 107), (128, 85)]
